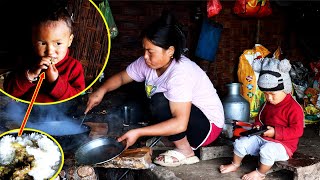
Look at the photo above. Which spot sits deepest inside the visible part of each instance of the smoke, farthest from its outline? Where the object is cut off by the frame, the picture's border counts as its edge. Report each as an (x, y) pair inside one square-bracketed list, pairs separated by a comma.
[(15, 111), (52, 119)]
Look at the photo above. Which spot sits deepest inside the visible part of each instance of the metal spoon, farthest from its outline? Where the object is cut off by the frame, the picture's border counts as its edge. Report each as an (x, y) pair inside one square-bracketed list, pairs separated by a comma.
[(83, 119)]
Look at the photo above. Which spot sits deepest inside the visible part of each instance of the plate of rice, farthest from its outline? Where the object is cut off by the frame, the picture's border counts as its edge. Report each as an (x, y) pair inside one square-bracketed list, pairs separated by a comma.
[(34, 155)]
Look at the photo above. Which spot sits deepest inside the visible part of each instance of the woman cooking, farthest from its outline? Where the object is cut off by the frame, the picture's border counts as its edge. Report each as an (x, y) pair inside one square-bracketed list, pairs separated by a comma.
[(184, 104)]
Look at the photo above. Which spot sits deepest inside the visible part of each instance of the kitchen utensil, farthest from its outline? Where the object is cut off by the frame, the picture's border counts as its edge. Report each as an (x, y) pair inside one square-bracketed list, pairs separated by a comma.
[(99, 151), (84, 117), (126, 111), (68, 133), (235, 105), (131, 113)]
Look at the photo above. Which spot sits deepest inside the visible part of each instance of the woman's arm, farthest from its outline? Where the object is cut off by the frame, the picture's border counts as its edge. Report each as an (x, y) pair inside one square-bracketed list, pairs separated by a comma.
[(116, 81), (178, 123), (110, 84)]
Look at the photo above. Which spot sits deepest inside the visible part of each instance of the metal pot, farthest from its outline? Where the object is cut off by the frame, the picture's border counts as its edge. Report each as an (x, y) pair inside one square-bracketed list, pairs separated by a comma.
[(235, 106), (70, 135), (131, 114)]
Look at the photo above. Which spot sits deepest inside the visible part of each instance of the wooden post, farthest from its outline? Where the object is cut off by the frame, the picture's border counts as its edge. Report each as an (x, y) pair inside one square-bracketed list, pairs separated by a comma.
[(258, 32)]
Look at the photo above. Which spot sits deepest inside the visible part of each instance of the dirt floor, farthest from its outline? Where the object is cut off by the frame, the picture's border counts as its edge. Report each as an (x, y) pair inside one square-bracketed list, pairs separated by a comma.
[(310, 142)]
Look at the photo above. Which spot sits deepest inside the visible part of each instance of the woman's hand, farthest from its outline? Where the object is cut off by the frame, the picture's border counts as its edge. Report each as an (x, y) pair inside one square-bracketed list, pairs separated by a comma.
[(94, 99), (270, 132), (131, 137)]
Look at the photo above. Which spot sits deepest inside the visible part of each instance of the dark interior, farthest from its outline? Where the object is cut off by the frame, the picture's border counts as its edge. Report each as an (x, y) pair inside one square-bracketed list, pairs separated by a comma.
[(291, 26)]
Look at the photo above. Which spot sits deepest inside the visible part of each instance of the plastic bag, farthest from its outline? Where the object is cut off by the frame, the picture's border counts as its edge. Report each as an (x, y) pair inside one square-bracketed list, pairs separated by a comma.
[(252, 8), (208, 40), (248, 77), (105, 9), (213, 7)]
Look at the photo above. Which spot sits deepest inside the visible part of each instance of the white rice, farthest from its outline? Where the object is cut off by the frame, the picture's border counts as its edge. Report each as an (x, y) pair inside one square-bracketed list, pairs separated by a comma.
[(7, 152), (46, 153)]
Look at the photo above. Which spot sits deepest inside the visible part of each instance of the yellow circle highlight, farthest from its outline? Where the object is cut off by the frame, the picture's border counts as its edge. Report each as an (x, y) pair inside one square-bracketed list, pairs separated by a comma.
[(16, 131), (95, 80)]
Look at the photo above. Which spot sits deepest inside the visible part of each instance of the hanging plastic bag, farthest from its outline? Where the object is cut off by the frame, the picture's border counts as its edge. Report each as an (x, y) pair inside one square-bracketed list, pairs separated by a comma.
[(208, 40), (213, 7), (105, 9), (252, 8)]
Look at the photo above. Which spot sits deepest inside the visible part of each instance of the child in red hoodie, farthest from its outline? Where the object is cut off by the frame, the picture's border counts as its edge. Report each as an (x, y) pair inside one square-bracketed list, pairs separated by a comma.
[(64, 76), (282, 115)]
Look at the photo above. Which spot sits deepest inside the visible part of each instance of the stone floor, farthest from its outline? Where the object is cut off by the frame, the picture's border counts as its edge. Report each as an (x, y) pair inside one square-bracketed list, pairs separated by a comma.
[(209, 169)]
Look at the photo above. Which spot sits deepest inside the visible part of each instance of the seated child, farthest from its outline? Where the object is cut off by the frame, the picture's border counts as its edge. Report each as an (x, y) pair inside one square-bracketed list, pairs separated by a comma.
[(64, 76), (282, 115)]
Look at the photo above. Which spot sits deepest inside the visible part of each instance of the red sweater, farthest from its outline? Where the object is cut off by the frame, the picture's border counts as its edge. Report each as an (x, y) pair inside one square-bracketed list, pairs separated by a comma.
[(69, 82), (287, 118)]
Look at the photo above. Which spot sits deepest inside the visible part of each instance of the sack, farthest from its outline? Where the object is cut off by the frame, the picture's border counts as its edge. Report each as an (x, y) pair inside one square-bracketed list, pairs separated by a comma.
[(106, 11), (252, 8), (248, 77), (208, 40), (213, 7)]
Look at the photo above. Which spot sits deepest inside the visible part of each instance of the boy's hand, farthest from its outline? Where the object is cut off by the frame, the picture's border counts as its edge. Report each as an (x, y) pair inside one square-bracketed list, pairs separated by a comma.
[(44, 64), (47, 65), (52, 73), (270, 132)]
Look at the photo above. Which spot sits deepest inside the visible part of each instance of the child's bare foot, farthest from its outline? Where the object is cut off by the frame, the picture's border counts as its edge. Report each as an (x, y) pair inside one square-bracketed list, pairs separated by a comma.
[(254, 175), (229, 167)]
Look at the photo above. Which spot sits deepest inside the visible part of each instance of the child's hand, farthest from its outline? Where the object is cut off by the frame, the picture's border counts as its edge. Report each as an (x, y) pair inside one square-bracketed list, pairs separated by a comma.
[(47, 64), (52, 73), (270, 132), (34, 72)]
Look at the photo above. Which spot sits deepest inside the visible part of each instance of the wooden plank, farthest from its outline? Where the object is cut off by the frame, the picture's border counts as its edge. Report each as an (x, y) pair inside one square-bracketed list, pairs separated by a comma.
[(139, 158)]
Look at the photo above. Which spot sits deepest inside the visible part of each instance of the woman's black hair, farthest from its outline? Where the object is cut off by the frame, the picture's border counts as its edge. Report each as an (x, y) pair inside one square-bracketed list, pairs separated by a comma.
[(166, 32)]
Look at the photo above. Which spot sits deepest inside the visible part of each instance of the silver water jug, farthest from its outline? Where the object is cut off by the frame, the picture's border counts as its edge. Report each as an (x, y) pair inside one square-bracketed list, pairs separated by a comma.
[(236, 107)]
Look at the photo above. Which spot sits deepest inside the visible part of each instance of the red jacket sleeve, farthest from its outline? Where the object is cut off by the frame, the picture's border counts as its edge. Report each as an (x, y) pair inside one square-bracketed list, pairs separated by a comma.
[(295, 127), (17, 84)]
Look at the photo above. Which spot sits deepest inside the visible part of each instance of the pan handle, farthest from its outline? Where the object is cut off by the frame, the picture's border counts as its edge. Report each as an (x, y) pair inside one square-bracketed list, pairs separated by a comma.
[(155, 141)]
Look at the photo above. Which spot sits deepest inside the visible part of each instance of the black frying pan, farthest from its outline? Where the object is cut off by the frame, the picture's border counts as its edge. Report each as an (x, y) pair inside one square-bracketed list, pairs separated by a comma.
[(69, 134), (99, 151)]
